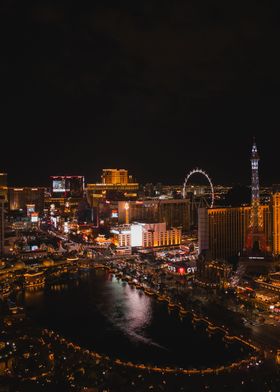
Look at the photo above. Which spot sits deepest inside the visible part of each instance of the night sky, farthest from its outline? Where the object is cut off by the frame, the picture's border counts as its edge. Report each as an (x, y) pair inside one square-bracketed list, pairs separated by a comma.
[(158, 87)]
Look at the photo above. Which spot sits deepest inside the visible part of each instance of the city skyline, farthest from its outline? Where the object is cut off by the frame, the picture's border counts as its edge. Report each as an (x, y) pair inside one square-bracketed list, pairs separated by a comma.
[(158, 91), (16, 179), (139, 196)]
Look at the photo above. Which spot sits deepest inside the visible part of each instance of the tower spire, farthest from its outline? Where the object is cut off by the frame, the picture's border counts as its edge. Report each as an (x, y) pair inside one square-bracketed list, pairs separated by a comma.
[(256, 240), (255, 219)]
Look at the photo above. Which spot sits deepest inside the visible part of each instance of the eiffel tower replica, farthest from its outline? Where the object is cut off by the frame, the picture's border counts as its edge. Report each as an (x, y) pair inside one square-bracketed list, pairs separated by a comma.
[(256, 258)]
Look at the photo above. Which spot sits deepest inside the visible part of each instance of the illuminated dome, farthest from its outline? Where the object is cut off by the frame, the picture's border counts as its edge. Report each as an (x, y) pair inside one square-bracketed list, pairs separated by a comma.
[(19, 265)]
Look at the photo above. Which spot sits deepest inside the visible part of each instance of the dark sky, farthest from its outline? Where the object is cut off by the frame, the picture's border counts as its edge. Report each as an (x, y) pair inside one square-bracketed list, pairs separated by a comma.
[(158, 87)]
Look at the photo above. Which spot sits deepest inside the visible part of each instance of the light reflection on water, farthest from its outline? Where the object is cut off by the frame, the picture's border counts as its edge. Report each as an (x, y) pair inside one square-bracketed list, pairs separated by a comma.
[(103, 313), (132, 311), (34, 295), (59, 287), (126, 309)]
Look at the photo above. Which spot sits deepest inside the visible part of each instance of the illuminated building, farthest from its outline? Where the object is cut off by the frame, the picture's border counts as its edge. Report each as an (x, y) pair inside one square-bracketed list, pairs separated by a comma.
[(257, 257), (174, 212), (276, 223), (213, 272), (275, 278), (115, 176), (27, 199), (67, 193), (271, 283), (102, 241), (3, 186), (224, 231), (147, 235), (2, 223), (122, 236), (243, 231), (67, 186), (34, 279), (256, 239), (115, 184)]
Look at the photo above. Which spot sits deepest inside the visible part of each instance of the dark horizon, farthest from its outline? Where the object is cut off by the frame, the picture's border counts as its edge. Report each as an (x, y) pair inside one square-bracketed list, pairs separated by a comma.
[(155, 90), (242, 177)]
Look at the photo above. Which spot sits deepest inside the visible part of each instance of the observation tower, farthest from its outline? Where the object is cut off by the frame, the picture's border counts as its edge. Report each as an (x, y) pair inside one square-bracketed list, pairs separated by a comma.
[(256, 240)]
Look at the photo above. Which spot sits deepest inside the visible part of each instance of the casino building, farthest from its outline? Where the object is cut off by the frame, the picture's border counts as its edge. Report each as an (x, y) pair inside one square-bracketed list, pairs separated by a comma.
[(115, 184), (174, 212), (224, 230), (250, 232), (146, 235), (66, 192), (26, 199)]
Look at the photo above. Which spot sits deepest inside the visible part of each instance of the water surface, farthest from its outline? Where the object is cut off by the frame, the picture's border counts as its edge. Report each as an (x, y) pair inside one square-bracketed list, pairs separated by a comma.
[(104, 314)]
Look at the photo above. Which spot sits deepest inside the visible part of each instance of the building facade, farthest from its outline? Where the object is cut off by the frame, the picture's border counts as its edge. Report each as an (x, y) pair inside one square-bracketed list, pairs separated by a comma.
[(212, 272), (27, 199), (146, 235), (115, 184), (276, 223), (2, 224), (3, 186), (114, 176), (67, 186), (173, 212), (224, 231)]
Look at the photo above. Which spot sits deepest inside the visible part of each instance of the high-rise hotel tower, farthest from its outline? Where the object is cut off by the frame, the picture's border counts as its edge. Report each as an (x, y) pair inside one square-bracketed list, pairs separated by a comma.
[(230, 231)]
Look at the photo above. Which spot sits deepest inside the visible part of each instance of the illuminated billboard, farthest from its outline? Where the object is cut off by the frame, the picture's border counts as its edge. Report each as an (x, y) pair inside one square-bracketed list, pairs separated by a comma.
[(70, 185), (59, 186), (34, 217), (30, 208), (115, 214)]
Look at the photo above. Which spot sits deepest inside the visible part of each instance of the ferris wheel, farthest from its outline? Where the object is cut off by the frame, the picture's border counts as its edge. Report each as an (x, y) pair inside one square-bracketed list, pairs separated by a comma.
[(200, 171)]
